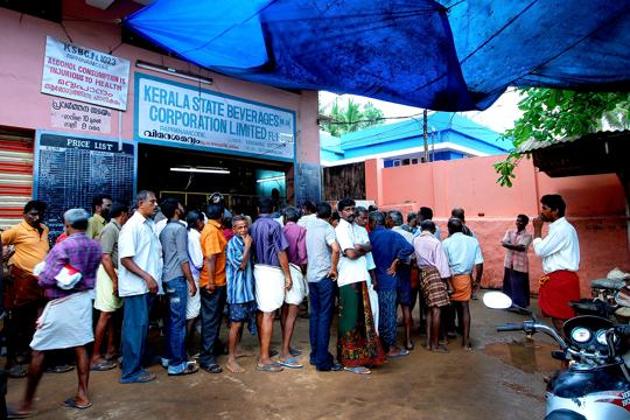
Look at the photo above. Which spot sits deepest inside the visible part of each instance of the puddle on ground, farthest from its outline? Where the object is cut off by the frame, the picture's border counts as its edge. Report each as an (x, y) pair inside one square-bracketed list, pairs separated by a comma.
[(528, 356)]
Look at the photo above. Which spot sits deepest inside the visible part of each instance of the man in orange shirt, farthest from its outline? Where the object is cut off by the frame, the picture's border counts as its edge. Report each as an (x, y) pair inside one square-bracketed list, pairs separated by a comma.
[(212, 286), (24, 296)]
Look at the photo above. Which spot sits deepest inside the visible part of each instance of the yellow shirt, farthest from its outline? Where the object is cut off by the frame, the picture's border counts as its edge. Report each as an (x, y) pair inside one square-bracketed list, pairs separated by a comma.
[(96, 223), (30, 247), (213, 242)]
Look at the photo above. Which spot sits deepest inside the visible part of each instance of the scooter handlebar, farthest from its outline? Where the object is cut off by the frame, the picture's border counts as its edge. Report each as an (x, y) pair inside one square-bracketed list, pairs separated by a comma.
[(510, 327)]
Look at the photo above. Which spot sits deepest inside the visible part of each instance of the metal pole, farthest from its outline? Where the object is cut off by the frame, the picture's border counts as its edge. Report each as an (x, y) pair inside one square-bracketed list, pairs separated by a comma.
[(425, 135)]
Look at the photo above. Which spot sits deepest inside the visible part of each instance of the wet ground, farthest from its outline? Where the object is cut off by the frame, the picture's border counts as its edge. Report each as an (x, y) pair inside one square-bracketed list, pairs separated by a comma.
[(502, 378)]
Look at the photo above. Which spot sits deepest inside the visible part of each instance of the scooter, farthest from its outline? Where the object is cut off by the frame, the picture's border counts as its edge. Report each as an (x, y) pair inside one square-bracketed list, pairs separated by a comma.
[(596, 384)]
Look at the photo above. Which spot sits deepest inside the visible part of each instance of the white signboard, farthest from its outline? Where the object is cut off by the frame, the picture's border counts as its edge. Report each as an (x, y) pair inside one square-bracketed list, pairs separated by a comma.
[(72, 115), (186, 116), (84, 74)]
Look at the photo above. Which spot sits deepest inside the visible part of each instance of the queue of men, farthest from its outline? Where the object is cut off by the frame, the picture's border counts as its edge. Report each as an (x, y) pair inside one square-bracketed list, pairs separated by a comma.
[(206, 266)]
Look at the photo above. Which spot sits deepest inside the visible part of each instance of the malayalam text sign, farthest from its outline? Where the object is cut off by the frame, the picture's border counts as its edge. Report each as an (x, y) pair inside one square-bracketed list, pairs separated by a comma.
[(87, 75), (72, 115), (186, 116)]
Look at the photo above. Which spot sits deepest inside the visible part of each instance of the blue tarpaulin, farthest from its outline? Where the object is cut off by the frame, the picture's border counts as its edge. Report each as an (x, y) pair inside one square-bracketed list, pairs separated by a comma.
[(448, 55)]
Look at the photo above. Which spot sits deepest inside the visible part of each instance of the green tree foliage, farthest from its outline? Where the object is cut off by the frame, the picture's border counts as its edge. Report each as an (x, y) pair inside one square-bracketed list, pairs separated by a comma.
[(350, 118), (550, 114)]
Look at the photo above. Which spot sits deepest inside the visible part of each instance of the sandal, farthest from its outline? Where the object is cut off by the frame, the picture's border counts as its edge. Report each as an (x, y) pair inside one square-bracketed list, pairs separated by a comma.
[(359, 370), (399, 354), (269, 367), (103, 366), (291, 363), (213, 368), (295, 352), (142, 378), (72, 403), (59, 369), (17, 371), (13, 413), (188, 370)]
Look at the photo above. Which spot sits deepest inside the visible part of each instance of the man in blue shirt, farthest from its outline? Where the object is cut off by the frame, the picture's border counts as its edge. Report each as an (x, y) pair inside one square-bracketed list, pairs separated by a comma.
[(388, 249)]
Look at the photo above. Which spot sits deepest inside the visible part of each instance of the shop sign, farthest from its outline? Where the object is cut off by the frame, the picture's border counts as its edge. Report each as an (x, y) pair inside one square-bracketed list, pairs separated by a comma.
[(87, 75), (75, 116), (185, 116)]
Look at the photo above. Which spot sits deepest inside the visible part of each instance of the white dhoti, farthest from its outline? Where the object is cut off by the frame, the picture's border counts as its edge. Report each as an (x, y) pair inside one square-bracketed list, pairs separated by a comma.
[(105, 300), (373, 301), (193, 304), (270, 287), (66, 322), (299, 289)]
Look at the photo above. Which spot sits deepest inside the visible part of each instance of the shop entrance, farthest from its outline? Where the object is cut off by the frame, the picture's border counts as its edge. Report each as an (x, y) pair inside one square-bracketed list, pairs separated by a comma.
[(191, 176)]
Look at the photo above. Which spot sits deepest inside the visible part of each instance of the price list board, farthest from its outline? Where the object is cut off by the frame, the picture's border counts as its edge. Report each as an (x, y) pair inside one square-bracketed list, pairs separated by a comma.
[(71, 170)]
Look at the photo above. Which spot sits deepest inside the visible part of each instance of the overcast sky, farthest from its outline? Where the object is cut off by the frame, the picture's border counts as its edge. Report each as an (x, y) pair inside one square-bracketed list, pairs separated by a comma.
[(499, 117)]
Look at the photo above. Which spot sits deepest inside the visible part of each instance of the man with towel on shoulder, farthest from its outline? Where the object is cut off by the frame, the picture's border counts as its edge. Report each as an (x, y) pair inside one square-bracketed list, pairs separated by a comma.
[(464, 256), (67, 319)]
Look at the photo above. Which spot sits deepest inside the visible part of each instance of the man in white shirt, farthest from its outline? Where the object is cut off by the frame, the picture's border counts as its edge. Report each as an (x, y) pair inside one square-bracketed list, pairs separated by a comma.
[(139, 277), (560, 252), (362, 238), (359, 345)]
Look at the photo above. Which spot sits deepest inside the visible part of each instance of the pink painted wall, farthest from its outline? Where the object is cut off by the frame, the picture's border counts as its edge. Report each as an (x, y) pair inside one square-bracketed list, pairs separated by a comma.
[(596, 206), (22, 44)]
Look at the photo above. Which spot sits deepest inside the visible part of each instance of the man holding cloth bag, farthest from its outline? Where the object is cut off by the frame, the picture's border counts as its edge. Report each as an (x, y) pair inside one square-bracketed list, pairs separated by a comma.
[(67, 278)]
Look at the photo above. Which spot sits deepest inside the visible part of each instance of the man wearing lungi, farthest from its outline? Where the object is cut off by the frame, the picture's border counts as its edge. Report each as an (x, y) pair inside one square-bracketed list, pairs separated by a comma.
[(296, 254), (560, 252), (358, 345), (516, 264), (23, 296), (464, 256), (66, 322), (434, 273), (272, 277)]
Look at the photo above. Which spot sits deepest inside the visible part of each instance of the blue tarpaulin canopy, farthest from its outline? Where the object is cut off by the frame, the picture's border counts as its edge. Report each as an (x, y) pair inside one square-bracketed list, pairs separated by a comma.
[(443, 55)]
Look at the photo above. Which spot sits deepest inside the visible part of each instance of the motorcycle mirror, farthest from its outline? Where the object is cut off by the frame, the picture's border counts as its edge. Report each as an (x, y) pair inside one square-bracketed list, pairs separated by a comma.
[(497, 300)]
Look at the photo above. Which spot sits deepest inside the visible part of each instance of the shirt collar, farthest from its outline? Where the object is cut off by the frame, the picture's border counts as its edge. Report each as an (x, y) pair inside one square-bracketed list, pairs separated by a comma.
[(558, 222), (26, 226), (214, 223), (115, 222), (99, 218), (427, 233), (457, 234), (379, 227)]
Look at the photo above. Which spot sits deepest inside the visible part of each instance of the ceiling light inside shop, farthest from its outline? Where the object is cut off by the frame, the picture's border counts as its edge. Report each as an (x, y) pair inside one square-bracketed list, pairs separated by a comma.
[(273, 178), (201, 170)]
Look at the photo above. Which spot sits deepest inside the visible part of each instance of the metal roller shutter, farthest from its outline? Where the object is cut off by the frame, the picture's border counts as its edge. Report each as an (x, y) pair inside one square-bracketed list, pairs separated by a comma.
[(16, 176)]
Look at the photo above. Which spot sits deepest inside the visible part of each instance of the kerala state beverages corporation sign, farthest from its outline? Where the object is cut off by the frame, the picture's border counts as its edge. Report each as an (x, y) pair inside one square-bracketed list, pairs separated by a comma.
[(180, 115)]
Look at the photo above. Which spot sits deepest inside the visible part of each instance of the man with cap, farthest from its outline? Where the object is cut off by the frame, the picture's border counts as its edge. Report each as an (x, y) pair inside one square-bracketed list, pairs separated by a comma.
[(66, 323)]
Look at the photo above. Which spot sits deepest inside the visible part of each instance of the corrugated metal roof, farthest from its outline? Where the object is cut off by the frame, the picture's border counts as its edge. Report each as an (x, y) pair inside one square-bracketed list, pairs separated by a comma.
[(533, 144)]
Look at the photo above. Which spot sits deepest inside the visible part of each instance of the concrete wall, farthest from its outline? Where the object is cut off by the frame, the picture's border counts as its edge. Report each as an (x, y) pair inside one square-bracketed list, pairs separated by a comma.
[(22, 44), (596, 206)]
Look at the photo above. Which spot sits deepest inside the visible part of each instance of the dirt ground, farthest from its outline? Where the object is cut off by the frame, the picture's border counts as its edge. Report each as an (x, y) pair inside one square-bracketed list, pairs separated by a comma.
[(502, 378)]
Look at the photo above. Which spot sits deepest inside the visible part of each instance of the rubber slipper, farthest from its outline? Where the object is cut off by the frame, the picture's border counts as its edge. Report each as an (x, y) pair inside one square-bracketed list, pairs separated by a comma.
[(103, 366), (291, 363), (359, 370), (295, 352), (271, 367), (440, 349), (410, 346), (71, 403), (60, 369), (18, 371), (399, 354), (12, 413)]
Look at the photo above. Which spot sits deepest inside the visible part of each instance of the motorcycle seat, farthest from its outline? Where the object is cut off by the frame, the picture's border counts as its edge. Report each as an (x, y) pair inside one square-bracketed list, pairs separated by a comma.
[(613, 284), (623, 312), (590, 307)]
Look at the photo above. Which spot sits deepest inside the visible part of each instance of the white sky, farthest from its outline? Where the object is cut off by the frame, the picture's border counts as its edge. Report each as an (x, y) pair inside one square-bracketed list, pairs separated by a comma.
[(499, 117)]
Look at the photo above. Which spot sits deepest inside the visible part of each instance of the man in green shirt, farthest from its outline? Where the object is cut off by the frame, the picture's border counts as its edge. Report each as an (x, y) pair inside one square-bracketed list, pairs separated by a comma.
[(101, 206)]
